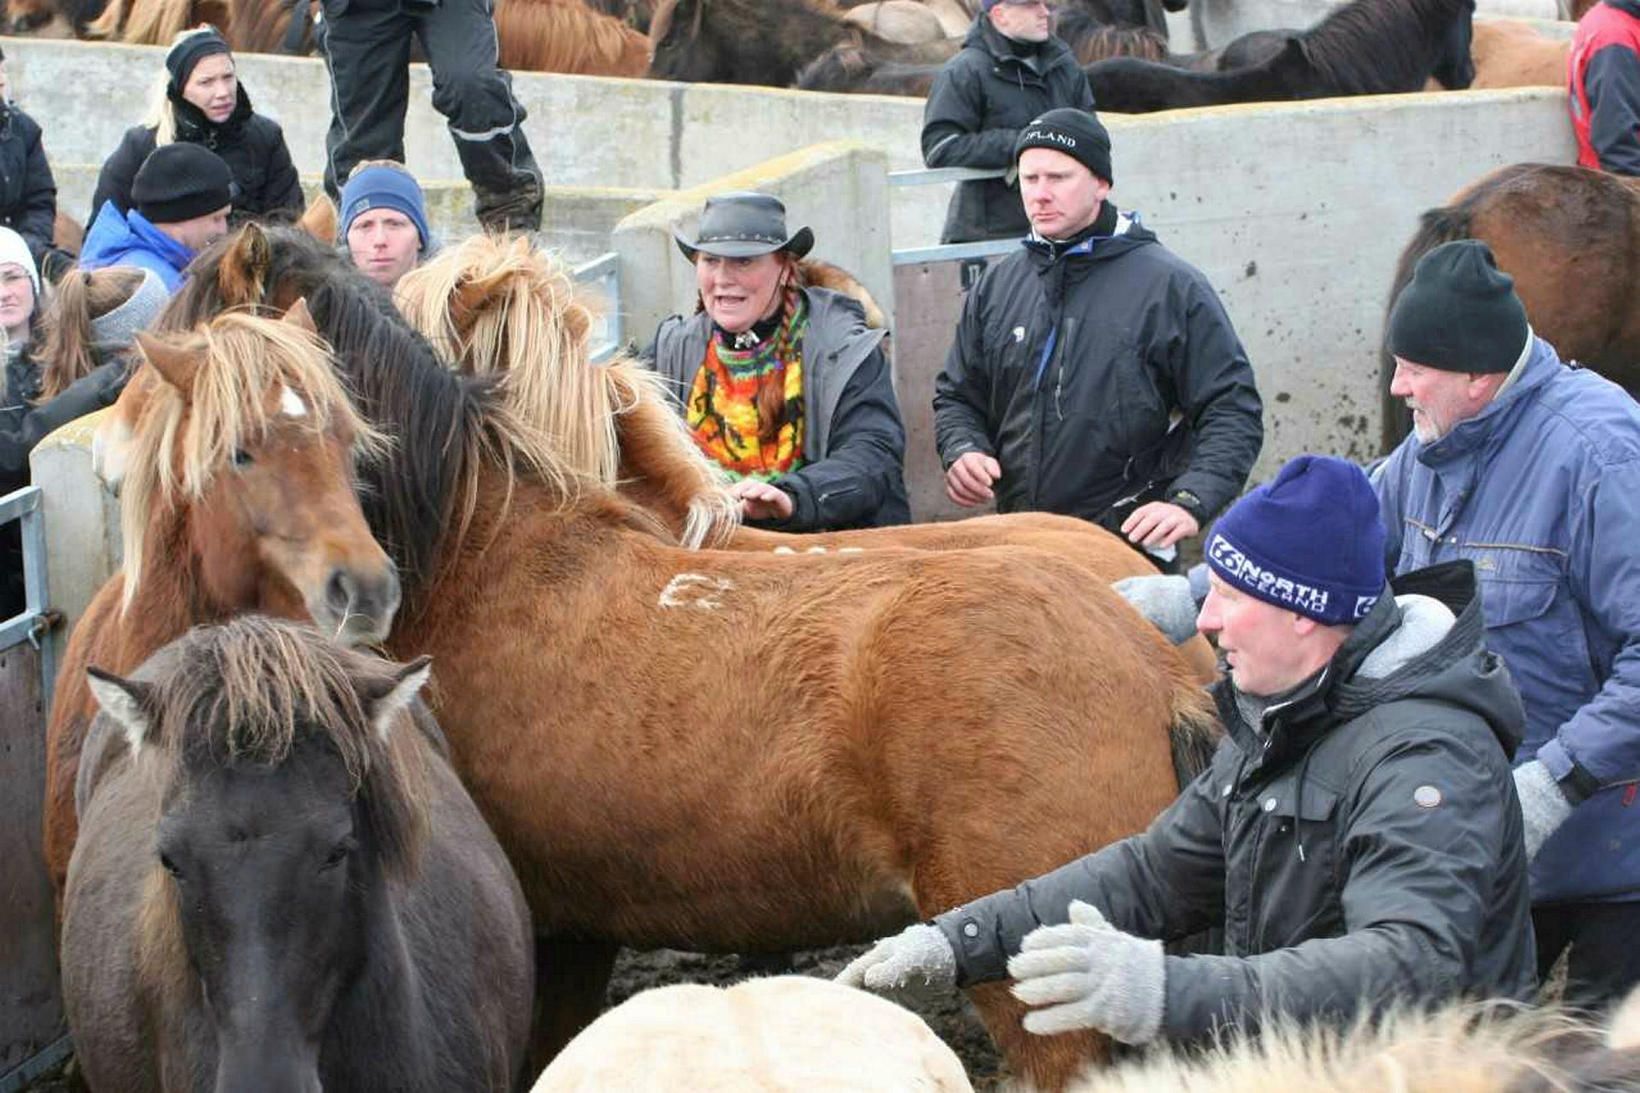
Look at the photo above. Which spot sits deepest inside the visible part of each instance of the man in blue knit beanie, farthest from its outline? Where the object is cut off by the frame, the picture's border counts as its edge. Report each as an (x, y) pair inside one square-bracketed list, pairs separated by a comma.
[(383, 220), (1356, 835)]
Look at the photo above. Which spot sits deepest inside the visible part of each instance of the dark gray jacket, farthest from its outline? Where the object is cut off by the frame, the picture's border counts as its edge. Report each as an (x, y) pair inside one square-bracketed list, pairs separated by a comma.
[(1069, 364), (980, 101), (1362, 847), (853, 439)]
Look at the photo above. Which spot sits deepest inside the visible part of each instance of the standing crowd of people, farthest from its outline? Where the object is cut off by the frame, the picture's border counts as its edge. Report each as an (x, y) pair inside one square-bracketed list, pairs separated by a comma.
[(1432, 688)]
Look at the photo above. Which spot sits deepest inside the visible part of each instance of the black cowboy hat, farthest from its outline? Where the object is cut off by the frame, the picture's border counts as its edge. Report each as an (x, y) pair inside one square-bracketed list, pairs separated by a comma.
[(744, 225)]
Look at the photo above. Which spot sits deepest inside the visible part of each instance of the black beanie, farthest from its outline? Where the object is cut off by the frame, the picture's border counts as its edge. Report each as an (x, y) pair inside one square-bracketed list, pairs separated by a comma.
[(1077, 133), (1459, 313), (181, 181), (189, 52)]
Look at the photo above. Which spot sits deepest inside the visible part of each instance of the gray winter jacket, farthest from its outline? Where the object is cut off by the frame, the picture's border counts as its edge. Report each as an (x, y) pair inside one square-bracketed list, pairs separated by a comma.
[(853, 439), (1362, 847)]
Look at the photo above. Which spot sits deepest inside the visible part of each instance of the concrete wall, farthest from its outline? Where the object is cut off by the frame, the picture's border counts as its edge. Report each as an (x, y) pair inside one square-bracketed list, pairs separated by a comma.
[(82, 521), (840, 189)]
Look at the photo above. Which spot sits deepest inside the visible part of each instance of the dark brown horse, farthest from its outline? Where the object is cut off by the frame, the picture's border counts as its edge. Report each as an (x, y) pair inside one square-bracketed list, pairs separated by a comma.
[(1571, 239), (233, 451), (915, 728), (280, 884)]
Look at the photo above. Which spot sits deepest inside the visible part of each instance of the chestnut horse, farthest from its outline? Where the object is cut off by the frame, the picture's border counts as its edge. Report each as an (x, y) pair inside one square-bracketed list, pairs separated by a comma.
[(1571, 239), (254, 766), (881, 734), (234, 464), (509, 309)]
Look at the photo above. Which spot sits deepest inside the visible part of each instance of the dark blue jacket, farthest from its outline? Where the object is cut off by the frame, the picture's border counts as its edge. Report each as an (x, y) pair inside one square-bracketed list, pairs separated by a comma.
[(1541, 490), (128, 239)]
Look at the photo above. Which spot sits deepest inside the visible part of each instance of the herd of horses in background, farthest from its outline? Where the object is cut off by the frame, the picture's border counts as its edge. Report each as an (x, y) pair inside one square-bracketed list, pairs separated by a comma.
[(896, 46)]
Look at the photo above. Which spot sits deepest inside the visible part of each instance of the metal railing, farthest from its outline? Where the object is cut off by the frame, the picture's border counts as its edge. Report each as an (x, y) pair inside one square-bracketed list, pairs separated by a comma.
[(24, 506), (604, 271), (949, 252)]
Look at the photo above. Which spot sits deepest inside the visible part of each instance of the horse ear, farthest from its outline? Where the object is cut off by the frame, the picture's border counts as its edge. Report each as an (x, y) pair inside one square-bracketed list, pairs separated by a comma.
[(175, 365), (407, 682), (320, 219), (244, 266), (472, 296), (126, 701), (298, 315)]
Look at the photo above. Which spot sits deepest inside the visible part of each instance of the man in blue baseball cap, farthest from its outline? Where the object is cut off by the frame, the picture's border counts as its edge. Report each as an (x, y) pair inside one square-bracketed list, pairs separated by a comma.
[(1356, 835), (384, 221)]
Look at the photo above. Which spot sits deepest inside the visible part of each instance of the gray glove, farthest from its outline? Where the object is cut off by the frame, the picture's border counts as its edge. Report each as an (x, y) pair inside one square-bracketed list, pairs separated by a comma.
[(1543, 805), (1164, 600), (1090, 975), (917, 960)]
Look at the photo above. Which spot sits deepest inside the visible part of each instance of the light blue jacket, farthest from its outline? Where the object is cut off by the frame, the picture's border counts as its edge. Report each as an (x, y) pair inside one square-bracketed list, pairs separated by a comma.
[(128, 239), (1541, 490)]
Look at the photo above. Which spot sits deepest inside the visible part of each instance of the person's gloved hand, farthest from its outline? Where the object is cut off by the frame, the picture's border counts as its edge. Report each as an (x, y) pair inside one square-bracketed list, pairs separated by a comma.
[(1087, 974), (917, 960), (1543, 805), (1164, 600)]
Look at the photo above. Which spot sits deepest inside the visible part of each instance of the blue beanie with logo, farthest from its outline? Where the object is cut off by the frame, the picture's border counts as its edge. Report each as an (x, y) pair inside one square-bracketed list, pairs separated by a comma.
[(385, 188), (1311, 540)]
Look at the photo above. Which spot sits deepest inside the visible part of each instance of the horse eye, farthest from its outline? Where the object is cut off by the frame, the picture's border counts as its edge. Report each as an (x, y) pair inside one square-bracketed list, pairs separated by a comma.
[(338, 854), (169, 866), (242, 458)]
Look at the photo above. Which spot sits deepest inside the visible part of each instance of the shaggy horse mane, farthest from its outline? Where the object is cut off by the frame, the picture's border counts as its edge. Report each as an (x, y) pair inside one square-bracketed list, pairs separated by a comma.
[(249, 690), (180, 442), (568, 36), (1370, 47), (510, 312), (156, 22), (419, 498), (1495, 1047)]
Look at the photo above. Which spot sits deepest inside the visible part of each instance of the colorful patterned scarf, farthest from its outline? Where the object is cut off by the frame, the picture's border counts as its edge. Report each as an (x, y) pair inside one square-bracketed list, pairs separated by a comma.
[(723, 399)]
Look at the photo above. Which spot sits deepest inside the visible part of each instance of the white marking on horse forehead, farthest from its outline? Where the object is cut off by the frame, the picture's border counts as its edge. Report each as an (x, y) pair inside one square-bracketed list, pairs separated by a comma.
[(695, 590), (291, 404)]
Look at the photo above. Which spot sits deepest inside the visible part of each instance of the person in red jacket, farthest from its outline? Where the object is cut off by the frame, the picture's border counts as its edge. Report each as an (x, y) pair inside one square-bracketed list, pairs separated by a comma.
[(1604, 78)]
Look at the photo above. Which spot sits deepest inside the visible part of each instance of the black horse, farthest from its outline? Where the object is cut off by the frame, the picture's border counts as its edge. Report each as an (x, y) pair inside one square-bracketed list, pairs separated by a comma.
[(280, 885), (1367, 47)]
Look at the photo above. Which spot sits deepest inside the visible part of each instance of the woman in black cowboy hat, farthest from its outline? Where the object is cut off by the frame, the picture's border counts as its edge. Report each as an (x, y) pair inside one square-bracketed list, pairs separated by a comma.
[(781, 384)]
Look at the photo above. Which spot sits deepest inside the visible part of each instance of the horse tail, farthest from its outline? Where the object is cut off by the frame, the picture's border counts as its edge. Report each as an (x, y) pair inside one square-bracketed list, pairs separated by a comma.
[(1193, 730), (1444, 224)]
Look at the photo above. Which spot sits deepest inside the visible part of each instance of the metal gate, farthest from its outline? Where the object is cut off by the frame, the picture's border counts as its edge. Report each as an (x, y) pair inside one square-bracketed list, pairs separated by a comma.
[(32, 1030)]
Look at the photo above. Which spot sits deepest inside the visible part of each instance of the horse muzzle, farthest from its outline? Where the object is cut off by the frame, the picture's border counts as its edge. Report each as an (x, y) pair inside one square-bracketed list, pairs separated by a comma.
[(358, 607)]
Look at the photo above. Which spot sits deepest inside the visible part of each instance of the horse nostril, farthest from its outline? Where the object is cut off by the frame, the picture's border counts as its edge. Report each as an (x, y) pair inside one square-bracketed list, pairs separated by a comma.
[(340, 591)]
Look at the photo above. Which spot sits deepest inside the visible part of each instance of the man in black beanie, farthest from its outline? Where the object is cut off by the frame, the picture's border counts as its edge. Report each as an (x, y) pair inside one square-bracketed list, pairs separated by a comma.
[(1011, 68), (1531, 471), (181, 196), (1094, 373)]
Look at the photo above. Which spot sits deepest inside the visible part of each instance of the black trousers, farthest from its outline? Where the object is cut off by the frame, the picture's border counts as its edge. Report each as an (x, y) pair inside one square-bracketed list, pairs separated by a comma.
[(1604, 964), (366, 45)]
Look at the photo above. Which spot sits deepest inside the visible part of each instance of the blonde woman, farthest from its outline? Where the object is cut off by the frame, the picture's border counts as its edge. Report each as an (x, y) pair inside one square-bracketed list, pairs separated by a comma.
[(202, 102)]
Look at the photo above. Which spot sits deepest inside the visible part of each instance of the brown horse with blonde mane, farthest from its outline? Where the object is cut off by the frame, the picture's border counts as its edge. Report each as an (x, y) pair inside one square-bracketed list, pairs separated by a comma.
[(254, 766), (233, 450), (505, 308), (1570, 237), (734, 751)]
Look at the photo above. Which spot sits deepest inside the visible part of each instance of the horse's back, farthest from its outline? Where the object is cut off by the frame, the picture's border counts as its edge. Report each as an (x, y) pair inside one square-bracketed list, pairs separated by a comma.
[(786, 1032)]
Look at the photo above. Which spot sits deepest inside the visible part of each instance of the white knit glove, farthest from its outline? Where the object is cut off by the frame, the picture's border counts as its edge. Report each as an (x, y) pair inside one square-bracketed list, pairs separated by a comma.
[(1090, 975), (1543, 805), (918, 961), (1164, 600)]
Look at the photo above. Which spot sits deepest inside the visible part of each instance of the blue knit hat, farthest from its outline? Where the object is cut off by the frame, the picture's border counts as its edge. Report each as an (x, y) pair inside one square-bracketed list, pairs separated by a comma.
[(1311, 540), (385, 188)]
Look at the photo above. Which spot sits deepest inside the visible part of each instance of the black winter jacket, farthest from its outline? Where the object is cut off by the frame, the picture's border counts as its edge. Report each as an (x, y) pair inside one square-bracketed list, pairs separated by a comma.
[(980, 101), (253, 147), (853, 439), (24, 422), (1362, 846), (1070, 364), (28, 193)]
